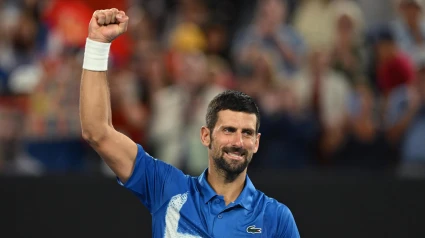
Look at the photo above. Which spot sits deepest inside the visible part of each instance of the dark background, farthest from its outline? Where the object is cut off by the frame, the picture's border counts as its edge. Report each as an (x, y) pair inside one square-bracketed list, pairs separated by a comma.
[(325, 204)]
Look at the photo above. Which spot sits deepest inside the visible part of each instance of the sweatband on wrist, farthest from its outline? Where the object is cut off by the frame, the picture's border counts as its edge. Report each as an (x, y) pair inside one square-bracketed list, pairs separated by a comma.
[(96, 55)]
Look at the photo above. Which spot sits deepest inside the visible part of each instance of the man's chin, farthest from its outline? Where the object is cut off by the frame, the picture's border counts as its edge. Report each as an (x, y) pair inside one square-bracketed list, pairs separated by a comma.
[(231, 169), (231, 165), (236, 166)]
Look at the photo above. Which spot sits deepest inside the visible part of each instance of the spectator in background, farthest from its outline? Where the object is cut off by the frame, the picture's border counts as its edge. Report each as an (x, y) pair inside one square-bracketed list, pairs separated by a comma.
[(216, 51), (150, 69), (406, 125), (21, 41), (409, 28), (271, 34), (289, 133), (314, 21), (142, 31), (348, 56), (220, 72), (186, 37), (178, 112), (216, 40), (268, 51), (189, 15), (147, 59), (323, 92), (256, 74), (365, 144), (129, 104), (52, 130), (394, 68)]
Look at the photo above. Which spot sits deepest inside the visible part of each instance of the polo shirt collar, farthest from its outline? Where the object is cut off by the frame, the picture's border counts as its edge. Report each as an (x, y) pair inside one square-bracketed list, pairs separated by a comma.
[(245, 199)]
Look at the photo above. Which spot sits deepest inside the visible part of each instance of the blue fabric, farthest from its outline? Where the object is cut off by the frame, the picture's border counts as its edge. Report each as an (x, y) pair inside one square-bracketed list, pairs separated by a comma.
[(412, 148), (185, 206)]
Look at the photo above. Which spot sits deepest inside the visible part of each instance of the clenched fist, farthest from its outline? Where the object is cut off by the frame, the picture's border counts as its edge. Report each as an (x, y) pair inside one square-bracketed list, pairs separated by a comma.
[(106, 25)]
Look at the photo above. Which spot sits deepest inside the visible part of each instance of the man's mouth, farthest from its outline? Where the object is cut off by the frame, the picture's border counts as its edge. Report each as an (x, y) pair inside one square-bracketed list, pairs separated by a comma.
[(235, 155)]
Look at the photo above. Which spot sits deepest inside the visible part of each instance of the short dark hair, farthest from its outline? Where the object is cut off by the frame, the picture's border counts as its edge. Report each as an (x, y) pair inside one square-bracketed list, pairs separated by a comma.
[(234, 101)]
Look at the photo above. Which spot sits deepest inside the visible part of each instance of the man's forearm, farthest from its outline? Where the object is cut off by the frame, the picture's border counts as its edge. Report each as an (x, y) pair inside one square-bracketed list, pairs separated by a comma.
[(95, 105)]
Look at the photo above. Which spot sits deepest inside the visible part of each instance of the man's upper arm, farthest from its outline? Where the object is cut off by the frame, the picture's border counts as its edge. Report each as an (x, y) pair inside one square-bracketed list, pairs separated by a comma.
[(287, 228), (118, 151), (154, 181)]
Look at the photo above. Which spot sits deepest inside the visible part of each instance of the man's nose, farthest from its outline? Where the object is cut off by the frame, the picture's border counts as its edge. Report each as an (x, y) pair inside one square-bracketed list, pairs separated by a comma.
[(237, 140)]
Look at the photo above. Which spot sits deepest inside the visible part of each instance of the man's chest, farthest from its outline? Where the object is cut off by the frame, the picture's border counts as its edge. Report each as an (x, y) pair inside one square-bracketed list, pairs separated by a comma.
[(190, 216)]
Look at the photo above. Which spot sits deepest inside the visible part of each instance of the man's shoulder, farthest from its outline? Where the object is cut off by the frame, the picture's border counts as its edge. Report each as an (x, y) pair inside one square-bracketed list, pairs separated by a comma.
[(280, 217), (270, 204)]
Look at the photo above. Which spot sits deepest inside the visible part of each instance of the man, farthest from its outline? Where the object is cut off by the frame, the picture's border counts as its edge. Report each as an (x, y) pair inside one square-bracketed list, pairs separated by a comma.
[(222, 202)]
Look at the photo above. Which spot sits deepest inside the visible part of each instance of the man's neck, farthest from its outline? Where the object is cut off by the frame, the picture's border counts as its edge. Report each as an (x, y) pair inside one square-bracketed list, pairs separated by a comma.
[(230, 191)]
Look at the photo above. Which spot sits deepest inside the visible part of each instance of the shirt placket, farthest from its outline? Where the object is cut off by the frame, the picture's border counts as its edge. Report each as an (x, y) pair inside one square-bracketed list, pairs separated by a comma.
[(219, 214)]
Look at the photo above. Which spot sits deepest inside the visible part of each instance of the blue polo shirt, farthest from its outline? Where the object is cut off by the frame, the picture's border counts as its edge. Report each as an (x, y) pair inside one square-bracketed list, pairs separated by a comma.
[(185, 206)]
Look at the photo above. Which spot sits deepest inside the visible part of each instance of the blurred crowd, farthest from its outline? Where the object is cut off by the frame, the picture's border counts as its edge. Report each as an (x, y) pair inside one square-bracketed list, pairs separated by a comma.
[(339, 83)]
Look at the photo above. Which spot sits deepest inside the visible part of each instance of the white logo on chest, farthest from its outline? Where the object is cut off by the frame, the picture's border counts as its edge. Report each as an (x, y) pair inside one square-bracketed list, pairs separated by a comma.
[(172, 217)]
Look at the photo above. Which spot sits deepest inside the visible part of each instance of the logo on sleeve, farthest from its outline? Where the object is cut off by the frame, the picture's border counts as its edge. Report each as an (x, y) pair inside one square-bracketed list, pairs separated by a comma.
[(253, 230)]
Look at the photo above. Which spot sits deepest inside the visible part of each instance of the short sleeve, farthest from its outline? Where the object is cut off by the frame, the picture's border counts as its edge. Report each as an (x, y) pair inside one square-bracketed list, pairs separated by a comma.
[(153, 181), (287, 228)]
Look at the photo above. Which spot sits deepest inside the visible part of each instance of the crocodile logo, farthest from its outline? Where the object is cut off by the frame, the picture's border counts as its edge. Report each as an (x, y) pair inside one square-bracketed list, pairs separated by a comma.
[(253, 230)]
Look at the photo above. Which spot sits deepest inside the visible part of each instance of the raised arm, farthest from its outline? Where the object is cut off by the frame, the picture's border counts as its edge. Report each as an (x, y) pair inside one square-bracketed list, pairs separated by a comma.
[(116, 149)]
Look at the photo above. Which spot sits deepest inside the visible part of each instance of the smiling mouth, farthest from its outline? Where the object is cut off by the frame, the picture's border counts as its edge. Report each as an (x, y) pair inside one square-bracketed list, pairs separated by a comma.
[(235, 155)]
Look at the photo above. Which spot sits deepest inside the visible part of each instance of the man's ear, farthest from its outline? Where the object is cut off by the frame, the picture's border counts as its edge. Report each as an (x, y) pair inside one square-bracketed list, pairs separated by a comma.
[(205, 136)]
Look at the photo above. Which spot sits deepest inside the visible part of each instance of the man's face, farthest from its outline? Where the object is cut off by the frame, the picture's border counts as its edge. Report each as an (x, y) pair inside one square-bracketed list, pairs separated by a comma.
[(233, 142)]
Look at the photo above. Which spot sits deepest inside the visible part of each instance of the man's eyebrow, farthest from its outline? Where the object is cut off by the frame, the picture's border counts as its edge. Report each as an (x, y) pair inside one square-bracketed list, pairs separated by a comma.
[(248, 129)]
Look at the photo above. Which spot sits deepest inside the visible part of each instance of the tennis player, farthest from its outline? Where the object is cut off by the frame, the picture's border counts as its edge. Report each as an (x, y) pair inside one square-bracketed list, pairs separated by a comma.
[(222, 201)]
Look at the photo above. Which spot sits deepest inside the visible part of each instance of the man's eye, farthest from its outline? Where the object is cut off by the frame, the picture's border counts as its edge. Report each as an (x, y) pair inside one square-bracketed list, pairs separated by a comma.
[(249, 133), (228, 130)]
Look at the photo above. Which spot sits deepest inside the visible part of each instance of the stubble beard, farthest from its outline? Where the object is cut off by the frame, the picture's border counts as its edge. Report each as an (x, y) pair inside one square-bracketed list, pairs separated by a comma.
[(230, 170)]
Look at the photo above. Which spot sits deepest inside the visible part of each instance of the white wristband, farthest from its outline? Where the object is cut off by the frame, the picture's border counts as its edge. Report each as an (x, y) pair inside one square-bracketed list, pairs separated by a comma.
[(96, 55)]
